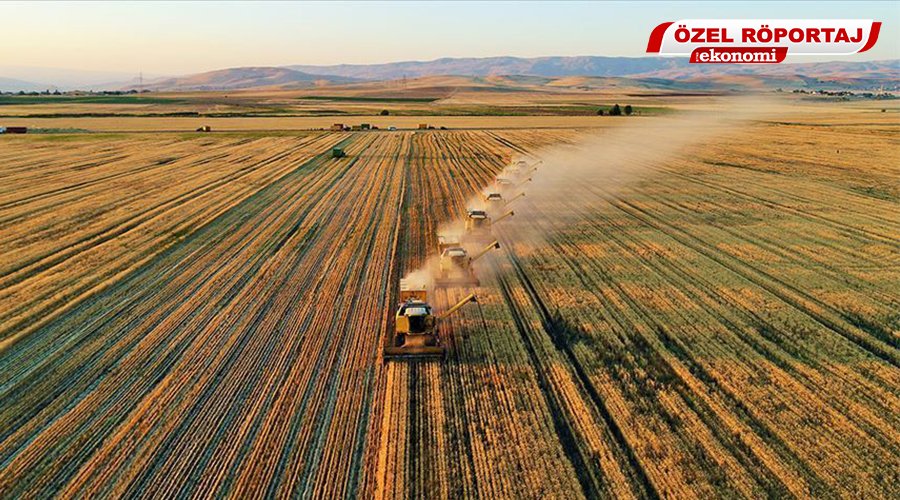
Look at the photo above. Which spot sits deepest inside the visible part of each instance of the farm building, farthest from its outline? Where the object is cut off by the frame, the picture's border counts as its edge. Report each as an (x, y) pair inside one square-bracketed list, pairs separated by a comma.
[(337, 127), (15, 130)]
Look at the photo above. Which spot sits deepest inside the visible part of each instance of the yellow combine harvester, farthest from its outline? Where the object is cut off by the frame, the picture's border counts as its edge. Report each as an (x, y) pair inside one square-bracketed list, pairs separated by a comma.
[(416, 334), (521, 170), (503, 184), (478, 225), (447, 241), (517, 168), (494, 199), (456, 265)]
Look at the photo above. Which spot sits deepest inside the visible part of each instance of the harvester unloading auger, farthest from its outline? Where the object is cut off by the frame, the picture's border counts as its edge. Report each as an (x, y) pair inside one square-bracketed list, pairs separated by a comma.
[(514, 198), (455, 268), (416, 327)]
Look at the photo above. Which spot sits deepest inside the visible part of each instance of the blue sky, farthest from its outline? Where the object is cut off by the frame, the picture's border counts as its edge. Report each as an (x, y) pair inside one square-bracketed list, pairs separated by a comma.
[(175, 38)]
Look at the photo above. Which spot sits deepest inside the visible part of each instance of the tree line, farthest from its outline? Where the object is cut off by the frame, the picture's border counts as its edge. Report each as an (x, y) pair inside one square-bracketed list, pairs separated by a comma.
[(616, 110)]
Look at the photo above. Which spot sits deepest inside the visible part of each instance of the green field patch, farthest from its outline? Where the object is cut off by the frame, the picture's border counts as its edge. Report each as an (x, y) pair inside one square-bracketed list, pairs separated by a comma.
[(11, 100)]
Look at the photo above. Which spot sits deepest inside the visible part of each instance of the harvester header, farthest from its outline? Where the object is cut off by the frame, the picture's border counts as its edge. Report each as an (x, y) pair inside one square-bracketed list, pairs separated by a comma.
[(416, 333)]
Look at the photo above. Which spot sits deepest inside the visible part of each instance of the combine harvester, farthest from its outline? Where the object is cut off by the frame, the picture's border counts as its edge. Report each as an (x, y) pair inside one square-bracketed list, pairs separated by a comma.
[(416, 327), (455, 268), (503, 184), (478, 225), (494, 201), (522, 170), (517, 168)]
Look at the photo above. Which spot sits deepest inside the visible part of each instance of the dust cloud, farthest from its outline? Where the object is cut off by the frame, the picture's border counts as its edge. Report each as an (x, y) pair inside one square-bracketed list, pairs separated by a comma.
[(563, 185), (574, 180)]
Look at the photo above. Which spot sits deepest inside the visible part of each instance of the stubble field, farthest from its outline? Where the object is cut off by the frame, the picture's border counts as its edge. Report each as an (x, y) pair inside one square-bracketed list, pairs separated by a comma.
[(204, 316)]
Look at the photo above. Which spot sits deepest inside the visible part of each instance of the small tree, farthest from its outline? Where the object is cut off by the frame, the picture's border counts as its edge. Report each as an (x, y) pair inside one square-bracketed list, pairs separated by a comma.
[(385, 112), (628, 109), (600, 112), (615, 110)]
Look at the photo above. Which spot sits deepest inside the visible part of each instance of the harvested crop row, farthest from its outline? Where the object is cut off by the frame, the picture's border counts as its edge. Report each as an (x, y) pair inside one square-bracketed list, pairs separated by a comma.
[(676, 328), (489, 393), (637, 337), (105, 229)]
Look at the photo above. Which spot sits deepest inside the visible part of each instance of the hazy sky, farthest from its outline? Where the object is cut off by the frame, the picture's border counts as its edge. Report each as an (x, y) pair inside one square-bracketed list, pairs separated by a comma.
[(180, 37)]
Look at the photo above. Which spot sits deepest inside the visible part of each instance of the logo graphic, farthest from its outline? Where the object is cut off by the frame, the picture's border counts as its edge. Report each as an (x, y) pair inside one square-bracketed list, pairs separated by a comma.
[(761, 41)]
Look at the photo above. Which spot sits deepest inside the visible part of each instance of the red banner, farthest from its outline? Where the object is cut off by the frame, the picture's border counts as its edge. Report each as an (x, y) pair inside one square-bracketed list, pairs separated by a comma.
[(761, 41)]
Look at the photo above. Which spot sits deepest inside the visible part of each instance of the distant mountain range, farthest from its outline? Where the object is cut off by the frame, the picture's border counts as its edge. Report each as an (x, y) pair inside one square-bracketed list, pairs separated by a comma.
[(241, 78), (488, 66), (13, 84), (644, 67), (666, 72), (661, 72), (29, 78)]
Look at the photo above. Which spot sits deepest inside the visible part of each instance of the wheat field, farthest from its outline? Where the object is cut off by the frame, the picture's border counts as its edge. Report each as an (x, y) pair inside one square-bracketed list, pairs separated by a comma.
[(203, 315)]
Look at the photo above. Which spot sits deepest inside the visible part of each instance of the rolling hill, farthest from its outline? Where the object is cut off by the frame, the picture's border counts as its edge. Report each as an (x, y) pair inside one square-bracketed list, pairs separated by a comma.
[(486, 66), (650, 72), (15, 85), (871, 74), (250, 77)]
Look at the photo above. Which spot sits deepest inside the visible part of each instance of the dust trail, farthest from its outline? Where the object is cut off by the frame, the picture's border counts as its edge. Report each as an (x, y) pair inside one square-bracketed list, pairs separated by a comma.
[(572, 181), (564, 184), (424, 276)]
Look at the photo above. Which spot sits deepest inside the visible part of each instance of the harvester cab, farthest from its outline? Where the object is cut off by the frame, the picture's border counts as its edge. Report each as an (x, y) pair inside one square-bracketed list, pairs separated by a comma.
[(494, 200), (522, 170), (456, 266), (416, 334)]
